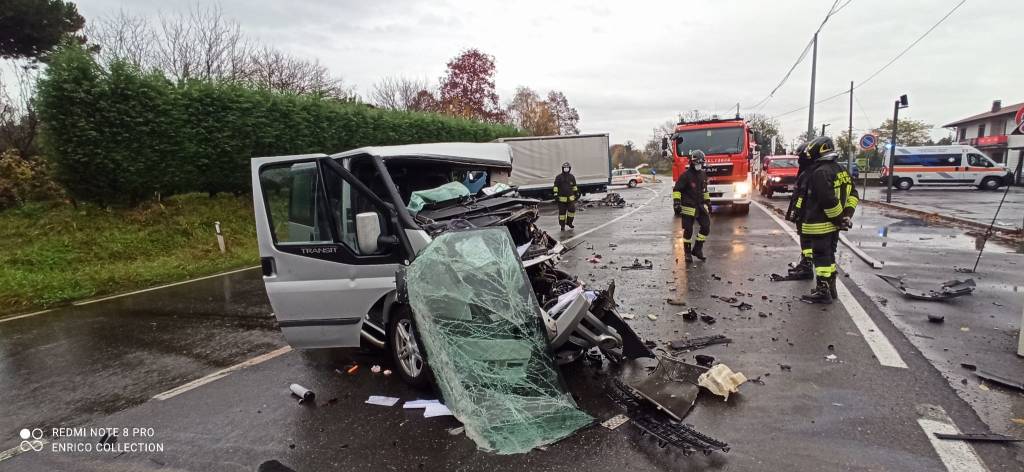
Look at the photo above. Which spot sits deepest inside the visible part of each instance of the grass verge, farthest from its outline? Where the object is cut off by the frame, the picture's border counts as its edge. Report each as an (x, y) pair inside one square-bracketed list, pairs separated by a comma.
[(53, 253)]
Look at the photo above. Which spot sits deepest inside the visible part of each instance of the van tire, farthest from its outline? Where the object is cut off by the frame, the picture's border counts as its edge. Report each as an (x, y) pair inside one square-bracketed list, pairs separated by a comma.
[(989, 183), (631, 184), (401, 323), (904, 184)]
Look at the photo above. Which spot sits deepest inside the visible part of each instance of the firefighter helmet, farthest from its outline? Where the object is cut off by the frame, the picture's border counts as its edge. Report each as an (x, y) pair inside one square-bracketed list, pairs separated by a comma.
[(697, 159), (821, 149), (801, 154), (566, 167)]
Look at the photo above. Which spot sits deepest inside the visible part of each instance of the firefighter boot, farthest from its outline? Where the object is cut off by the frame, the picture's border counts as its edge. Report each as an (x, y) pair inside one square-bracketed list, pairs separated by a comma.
[(698, 250), (687, 252), (802, 271), (822, 293), (832, 287)]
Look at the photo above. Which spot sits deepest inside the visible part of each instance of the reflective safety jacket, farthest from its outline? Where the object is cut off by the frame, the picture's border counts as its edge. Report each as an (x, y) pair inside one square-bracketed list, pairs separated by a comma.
[(691, 191), (830, 195), (565, 187), (796, 201)]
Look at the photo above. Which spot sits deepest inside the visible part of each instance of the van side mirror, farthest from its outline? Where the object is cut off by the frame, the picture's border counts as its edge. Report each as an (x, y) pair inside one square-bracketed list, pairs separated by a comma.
[(368, 232), (664, 145)]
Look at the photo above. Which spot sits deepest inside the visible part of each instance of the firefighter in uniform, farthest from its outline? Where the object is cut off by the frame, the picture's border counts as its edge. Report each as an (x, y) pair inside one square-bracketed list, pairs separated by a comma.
[(804, 269), (690, 194), (565, 193), (829, 202)]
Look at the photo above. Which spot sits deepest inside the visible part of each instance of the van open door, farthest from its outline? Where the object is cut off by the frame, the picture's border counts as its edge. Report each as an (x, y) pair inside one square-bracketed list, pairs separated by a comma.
[(329, 247)]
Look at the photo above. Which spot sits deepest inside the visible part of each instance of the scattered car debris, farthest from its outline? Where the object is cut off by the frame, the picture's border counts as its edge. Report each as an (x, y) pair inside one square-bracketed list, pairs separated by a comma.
[(832, 358), (699, 342), (1000, 379), (729, 300), (628, 316), (968, 366), (963, 270), (704, 360), (303, 393), (457, 431), (386, 372), (415, 404), (375, 369), (612, 199), (721, 380), (637, 265), (273, 466), (987, 437), (785, 367), (743, 306), (652, 317), (381, 400), (651, 420), (594, 259), (615, 421), (671, 387), (949, 289), (675, 302), (708, 319), (689, 315), (933, 318)]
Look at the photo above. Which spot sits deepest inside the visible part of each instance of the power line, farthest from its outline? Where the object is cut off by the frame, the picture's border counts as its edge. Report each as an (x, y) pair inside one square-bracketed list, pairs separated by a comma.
[(803, 54), (886, 66)]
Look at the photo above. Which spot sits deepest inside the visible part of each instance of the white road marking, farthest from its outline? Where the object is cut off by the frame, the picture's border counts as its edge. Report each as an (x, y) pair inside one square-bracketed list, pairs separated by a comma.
[(591, 230), (86, 302), (957, 456), (874, 263), (26, 315), (884, 351), (221, 374), (17, 450)]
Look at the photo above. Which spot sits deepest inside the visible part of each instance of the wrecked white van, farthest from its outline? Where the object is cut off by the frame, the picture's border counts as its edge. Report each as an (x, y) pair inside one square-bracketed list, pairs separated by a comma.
[(337, 233)]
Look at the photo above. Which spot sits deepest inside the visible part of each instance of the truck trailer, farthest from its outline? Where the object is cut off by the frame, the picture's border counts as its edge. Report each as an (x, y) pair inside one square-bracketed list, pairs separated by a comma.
[(536, 160)]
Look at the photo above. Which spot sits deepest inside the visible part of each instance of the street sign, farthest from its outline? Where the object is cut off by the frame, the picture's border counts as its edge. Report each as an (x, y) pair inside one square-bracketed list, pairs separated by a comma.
[(868, 141)]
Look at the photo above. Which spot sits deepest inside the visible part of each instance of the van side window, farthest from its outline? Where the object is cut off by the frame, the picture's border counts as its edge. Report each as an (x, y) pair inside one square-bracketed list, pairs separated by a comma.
[(977, 160), (295, 203)]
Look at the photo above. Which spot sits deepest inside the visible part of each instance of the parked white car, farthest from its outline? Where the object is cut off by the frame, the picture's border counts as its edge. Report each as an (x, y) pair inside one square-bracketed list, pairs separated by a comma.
[(629, 177)]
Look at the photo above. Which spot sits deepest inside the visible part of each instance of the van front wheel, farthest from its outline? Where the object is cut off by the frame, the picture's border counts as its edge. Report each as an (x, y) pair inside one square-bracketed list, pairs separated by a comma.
[(407, 350), (904, 184), (989, 183)]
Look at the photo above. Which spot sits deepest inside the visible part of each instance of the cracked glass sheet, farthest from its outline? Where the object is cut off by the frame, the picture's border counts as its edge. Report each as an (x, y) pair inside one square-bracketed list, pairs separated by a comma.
[(480, 325), (448, 191)]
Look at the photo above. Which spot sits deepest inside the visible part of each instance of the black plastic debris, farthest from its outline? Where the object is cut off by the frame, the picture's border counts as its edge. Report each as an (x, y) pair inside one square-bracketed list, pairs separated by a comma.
[(988, 437), (968, 366), (675, 302), (649, 419), (743, 306), (704, 360), (274, 466), (699, 342), (708, 319), (637, 265), (950, 289), (1000, 379), (303, 393), (785, 367), (690, 315), (671, 387), (933, 318), (729, 300), (613, 200)]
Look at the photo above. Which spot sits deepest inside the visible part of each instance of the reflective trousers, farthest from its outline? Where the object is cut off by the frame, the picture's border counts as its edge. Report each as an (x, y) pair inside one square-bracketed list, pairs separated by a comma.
[(566, 212), (703, 219), (823, 247)]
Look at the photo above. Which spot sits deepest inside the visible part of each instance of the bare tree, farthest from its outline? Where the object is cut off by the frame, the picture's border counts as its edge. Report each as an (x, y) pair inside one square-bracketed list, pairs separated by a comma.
[(123, 36), (274, 70), (19, 123), (397, 93), (201, 44)]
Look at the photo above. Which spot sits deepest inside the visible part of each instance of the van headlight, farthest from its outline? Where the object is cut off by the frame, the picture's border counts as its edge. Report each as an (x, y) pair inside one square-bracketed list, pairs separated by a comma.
[(741, 188)]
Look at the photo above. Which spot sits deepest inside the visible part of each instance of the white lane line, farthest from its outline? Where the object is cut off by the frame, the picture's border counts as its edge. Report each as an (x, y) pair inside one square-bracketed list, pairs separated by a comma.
[(221, 374), (26, 315), (591, 230), (158, 287), (957, 456), (18, 450), (883, 350)]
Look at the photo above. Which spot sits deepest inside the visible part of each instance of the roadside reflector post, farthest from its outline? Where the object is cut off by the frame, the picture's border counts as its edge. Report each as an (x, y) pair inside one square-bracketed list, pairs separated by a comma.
[(220, 236)]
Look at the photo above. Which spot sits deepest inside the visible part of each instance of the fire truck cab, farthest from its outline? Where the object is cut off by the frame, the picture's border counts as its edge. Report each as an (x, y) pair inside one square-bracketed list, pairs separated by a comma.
[(727, 146)]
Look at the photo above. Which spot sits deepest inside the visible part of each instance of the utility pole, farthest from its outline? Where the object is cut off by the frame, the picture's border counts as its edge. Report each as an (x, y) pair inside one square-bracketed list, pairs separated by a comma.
[(814, 73), (849, 157), (823, 125), (737, 109), (900, 103)]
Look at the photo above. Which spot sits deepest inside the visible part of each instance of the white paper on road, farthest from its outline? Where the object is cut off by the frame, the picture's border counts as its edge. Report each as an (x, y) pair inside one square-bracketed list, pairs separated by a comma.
[(381, 400), (436, 409), (419, 403)]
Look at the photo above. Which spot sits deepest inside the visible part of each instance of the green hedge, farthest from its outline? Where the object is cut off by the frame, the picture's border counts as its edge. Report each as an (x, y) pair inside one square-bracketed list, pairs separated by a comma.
[(123, 135)]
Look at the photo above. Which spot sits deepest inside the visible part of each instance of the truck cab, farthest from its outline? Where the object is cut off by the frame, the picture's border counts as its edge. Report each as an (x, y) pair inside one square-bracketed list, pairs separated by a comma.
[(727, 146)]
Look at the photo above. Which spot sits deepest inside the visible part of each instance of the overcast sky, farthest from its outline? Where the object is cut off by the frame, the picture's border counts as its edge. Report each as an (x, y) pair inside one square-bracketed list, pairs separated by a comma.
[(629, 66)]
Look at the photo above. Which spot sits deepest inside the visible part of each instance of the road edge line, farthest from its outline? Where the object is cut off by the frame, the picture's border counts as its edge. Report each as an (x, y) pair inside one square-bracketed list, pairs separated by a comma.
[(880, 346), (220, 374), (158, 287), (871, 261), (955, 455)]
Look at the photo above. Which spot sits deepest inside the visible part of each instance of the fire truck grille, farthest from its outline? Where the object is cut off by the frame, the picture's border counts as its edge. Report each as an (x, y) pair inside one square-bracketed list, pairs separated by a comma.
[(719, 170)]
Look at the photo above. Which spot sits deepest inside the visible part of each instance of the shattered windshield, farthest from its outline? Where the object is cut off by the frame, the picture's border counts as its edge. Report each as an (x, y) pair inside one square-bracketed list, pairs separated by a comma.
[(479, 321), (710, 140)]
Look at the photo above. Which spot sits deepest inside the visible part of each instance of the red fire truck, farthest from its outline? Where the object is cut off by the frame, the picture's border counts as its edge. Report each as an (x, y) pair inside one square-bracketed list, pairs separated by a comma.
[(728, 149)]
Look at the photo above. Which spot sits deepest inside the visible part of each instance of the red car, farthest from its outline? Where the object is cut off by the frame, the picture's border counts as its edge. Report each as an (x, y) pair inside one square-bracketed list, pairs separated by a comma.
[(777, 174)]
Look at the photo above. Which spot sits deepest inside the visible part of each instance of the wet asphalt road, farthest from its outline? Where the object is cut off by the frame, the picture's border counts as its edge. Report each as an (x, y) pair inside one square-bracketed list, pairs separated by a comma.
[(961, 202), (98, 364)]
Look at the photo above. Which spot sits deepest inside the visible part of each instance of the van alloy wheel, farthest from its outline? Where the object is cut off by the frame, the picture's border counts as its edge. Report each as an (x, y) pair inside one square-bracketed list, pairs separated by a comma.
[(409, 357)]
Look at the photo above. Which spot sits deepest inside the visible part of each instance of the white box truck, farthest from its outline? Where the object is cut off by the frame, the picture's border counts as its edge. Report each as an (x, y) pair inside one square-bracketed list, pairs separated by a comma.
[(536, 160)]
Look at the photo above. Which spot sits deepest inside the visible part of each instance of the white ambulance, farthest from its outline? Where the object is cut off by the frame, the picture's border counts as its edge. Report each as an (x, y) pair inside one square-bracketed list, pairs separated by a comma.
[(944, 165)]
